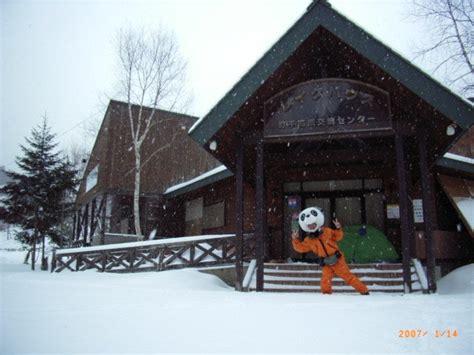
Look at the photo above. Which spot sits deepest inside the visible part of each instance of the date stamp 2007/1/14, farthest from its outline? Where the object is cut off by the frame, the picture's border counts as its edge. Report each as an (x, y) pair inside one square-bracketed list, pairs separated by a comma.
[(420, 333)]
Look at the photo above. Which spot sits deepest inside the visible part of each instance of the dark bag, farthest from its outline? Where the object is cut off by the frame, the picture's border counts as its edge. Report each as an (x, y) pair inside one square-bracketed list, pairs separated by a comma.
[(329, 260)]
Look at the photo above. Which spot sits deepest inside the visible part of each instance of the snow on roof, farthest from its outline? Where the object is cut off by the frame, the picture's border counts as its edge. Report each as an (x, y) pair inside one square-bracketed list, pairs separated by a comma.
[(466, 207), (459, 158), (196, 179)]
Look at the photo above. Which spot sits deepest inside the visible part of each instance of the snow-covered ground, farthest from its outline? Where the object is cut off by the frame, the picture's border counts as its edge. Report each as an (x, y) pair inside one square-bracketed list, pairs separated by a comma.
[(186, 311)]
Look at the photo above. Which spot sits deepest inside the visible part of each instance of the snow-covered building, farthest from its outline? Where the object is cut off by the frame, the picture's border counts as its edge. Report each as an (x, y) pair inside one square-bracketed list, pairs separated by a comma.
[(331, 116), (105, 195)]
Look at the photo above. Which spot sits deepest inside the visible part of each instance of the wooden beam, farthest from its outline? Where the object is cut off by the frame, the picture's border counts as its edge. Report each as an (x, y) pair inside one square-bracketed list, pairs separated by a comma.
[(239, 216), (326, 157), (429, 209), (404, 209), (103, 210), (93, 220), (86, 223), (78, 223), (328, 137), (74, 226), (260, 212)]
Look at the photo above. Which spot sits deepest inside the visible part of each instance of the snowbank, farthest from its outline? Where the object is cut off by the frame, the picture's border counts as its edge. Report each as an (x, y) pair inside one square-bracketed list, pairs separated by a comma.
[(186, 311), (12, 253), (459, 281), (9, 243)]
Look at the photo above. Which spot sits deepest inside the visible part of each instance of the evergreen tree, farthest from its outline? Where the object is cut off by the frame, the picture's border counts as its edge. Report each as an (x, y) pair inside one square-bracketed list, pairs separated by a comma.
[(35, 197)]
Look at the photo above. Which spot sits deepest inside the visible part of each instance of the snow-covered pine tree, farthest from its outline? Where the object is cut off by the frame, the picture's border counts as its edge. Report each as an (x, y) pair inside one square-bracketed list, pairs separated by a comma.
[(35, 197)]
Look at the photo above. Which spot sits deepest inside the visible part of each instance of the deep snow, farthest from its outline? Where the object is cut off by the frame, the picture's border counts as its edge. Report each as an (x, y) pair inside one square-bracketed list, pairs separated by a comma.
[(187, 311)]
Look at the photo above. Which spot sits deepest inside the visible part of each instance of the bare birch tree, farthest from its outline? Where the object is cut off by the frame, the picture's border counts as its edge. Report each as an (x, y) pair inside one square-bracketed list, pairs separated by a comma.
[(451, 26), (152, 77)]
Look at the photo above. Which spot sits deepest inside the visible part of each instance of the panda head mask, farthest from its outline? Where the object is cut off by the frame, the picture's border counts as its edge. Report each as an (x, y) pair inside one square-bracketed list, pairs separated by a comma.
[(311, 219)]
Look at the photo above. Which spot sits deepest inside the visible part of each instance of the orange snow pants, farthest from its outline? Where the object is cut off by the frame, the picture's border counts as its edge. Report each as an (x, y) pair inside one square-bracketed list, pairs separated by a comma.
[(342, 270)]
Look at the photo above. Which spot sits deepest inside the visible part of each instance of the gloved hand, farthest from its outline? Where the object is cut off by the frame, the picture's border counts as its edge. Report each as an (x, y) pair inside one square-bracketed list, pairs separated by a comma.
[(336, 223), (295, 235)]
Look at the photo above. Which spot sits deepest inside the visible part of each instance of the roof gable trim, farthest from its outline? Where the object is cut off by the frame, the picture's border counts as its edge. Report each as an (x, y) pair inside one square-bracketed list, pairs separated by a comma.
[(438, 96)]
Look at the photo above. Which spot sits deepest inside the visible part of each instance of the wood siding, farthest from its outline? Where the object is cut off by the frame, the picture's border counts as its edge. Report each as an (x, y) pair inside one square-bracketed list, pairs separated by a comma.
[(169, 155)]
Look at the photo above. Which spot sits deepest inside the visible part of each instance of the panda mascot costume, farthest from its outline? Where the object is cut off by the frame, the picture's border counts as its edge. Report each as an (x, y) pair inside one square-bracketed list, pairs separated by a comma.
[(322, 241)]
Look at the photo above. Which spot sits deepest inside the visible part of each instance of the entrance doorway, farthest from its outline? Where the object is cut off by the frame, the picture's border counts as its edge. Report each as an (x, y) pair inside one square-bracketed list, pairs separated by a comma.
[(353, 202)]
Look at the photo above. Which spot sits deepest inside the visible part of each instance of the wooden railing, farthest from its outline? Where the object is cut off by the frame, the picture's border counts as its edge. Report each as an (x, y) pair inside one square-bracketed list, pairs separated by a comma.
[(156, 255)]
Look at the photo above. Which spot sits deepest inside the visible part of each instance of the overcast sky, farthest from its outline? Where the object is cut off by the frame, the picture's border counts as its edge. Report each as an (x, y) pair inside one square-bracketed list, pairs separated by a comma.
[(58, 57)]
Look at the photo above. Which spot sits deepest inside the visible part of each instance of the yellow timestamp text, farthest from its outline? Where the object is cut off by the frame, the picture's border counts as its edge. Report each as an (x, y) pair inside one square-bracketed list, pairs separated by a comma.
[(421, 333)]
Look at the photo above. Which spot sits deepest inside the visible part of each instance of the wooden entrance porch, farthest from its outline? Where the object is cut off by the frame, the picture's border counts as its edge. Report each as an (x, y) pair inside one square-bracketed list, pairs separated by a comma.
[(301, 277)]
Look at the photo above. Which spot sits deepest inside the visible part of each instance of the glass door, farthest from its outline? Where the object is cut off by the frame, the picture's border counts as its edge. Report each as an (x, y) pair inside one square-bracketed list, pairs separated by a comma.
[(348, 210)]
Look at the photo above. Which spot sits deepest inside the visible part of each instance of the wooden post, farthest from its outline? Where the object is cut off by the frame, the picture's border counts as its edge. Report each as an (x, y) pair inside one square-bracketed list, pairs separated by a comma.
[(161, 258), (260, 213), (78, 225), (78, 262), (104, 261), (53, 260), (192, 253), (429, 203), (239, 217), (131, 259), (404, 209), (93, 221), (74, 226), (103, 211), (86, 223)]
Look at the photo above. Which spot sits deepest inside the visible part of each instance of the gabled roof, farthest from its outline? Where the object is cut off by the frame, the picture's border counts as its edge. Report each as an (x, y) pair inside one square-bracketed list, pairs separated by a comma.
[(320, 13)]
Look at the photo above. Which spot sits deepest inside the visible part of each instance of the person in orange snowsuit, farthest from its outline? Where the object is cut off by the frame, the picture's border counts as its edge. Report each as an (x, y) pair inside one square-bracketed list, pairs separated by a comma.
[(322, 241)]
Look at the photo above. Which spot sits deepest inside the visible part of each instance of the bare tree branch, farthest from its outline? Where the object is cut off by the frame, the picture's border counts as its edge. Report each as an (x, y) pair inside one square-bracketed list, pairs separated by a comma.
[(152, 78), (451, 26)]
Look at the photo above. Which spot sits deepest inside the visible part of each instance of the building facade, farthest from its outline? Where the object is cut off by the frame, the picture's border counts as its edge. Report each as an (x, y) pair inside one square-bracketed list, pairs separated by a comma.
[(104, 206), (332, 117), (329, 116)]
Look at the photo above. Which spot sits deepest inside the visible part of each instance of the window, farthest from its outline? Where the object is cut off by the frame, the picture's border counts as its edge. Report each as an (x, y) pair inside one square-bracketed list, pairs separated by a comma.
[(91, 180), (354, 201), (199, 217), (374, 204), (193, 217), (332, 185), (292, 187), (214, 215), (349, 210)]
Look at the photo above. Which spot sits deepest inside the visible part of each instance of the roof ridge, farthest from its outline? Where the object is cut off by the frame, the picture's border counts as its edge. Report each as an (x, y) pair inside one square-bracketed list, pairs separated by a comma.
[(315, 2), (151, 108)]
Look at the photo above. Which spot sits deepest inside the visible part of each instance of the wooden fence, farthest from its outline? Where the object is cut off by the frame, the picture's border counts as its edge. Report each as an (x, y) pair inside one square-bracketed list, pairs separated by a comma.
[(156, 255)]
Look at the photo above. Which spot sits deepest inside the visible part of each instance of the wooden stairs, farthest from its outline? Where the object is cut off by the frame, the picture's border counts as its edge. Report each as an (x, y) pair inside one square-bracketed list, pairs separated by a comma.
[(305, 277)]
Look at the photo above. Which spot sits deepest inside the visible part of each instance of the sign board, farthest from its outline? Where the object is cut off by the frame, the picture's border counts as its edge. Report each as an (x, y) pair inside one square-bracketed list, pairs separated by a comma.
[(393, 211), (292, 202), (327, 106), (418, 211)]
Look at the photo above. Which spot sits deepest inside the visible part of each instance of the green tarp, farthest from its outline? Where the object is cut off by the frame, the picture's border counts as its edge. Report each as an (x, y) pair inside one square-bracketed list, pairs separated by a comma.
[(366, 244)]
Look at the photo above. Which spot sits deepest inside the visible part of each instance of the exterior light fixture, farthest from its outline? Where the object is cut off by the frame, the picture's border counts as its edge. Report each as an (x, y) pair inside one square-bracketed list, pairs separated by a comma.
[(451, 129)]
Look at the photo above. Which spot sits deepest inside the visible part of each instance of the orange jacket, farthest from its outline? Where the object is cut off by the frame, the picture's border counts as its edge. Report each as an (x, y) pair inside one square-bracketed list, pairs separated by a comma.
[(329, 237)]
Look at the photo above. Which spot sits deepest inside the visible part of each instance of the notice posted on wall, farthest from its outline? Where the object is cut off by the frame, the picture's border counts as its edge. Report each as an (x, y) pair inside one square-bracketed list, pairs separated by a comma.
[(418, 210), (393, 211)]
